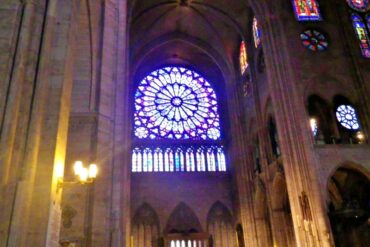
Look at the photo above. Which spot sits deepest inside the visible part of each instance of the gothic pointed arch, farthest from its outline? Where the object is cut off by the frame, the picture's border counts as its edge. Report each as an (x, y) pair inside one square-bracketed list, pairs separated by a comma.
[(281, 212), (145, 227), (321, 119), (349, 206), (220, 225), (183, 220), (261, 214), (219, 212)]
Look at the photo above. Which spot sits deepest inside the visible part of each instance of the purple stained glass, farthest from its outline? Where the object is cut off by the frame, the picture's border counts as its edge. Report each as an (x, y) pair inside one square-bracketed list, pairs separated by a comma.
[(359, 5), (176, 103), (362, 35)]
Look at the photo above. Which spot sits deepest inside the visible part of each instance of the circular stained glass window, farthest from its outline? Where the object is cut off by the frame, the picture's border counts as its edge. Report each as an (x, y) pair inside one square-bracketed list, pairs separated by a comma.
[(347, 117), (314, 40), (176, 103), (359, 5)]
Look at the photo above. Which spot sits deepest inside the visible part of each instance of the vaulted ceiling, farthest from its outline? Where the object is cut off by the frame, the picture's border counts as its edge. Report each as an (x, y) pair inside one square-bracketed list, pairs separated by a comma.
[(201, 33)]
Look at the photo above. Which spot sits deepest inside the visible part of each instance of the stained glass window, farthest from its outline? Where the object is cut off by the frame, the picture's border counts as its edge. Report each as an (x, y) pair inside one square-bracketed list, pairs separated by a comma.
[(306, 10), (362, 35), (179, 160), (359, 5), (347, 117), (176, 103), (314, 127), (256, 33), (314, 40), (243, 58)]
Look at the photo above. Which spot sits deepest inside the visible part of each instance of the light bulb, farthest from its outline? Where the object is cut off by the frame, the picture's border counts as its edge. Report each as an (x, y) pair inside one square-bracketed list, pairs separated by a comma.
[(84, 174), (93, 171), (360, 136), (78, 166)]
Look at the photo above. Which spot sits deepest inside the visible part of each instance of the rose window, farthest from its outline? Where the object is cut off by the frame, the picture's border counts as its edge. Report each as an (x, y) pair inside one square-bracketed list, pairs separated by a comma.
[(177, 104), (347, 117)]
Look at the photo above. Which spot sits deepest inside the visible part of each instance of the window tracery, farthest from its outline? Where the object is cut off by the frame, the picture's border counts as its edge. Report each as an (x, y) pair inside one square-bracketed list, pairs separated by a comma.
[(314, 40), (347, 117), (177, 104)]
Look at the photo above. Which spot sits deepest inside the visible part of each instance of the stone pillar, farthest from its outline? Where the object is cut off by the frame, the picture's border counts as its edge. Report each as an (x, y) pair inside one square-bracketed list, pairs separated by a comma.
[(296, 144), (35, 125)]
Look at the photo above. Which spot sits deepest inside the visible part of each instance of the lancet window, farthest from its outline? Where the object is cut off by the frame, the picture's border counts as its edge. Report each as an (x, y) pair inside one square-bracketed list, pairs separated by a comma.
[(256, 33), (243, 57), (360, 17)]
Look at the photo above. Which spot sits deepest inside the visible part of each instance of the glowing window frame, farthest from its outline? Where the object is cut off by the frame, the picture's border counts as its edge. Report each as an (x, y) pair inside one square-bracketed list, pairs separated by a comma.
[(307, 14), (347, 117), (256, 33), (156, 155), (243, 57), (363, 38), (360, 7)]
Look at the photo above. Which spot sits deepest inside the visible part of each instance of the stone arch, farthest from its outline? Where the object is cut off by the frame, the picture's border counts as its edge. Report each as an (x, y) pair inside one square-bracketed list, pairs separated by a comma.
[(220, 225), (220, 60), (321, 112), (279, 191), (261, 214), (281, 217), (260, 200), (183, 220), (145, 227), (348, 197)]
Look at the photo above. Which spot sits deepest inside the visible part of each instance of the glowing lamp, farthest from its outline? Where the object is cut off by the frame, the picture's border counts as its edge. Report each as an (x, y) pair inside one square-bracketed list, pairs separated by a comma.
[(93, 171), (78, 166), (84, 175), (360, 136)]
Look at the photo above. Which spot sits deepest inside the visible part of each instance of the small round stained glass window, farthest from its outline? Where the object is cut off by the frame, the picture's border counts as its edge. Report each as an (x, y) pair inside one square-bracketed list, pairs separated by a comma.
[(314, 40), (359, 5), (347, 117), (176, 103)]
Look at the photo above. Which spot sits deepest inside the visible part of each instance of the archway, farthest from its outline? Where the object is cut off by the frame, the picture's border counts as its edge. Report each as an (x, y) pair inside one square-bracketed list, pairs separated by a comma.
[(262, 218), (281, 214), (349, 209), (220, 226), (145, 227)]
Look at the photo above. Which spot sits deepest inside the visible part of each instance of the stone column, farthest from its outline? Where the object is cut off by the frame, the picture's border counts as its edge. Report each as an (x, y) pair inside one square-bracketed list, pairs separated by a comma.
[(37, 145), (296, 146)]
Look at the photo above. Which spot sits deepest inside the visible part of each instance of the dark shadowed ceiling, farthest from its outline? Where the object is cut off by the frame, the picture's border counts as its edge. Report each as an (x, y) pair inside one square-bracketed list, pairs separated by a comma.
[(204, 34)]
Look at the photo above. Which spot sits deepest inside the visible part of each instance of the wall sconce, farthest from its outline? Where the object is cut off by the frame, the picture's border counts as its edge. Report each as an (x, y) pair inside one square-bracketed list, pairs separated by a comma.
[(360, 137), (84, 175)]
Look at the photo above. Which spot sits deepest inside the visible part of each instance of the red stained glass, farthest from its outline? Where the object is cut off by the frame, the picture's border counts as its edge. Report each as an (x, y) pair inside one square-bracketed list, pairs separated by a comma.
[(307, 10)]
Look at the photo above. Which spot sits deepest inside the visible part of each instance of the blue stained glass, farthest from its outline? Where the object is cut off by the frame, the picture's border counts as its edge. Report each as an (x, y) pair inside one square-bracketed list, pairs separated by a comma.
[(256, 33), (176, 103), (177, 161), (347, 117), (362, 35)]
